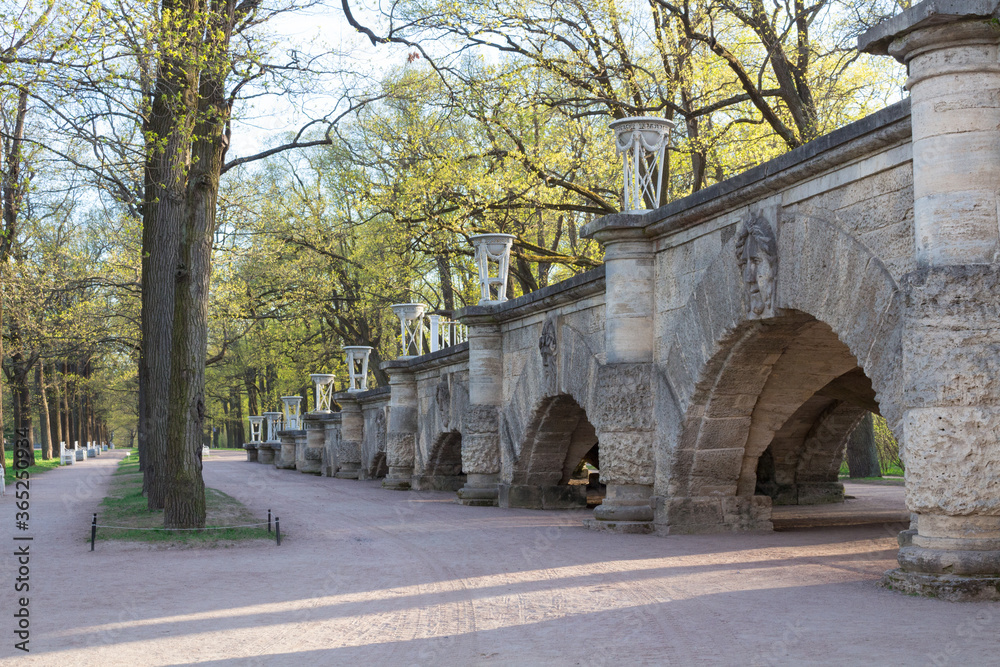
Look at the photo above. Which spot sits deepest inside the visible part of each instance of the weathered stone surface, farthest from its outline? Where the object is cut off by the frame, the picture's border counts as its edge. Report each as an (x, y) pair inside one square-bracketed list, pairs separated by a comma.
[(626, 458), (953, 460), (743, 329)]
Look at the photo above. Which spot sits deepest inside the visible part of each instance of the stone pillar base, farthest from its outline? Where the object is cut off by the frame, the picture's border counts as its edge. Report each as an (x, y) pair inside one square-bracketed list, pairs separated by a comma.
[(951, 587), (265, 454), (480, 490), (712, 514), (622, 527), (312, 462), (348, 471), (398, 478), (950, 557), (555, 497), (626, 509), (437, 482), (251, 453)]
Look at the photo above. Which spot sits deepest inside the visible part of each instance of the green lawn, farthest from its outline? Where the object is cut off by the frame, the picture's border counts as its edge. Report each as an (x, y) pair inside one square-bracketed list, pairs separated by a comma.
[(892, 470), (39, 467), (126, 506)]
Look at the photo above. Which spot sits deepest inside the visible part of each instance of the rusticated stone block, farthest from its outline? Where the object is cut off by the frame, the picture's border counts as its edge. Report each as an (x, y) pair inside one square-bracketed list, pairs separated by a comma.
[(482, 419), (481, 453), (626, 458), (399, 449), (624, 401), (953, 460)]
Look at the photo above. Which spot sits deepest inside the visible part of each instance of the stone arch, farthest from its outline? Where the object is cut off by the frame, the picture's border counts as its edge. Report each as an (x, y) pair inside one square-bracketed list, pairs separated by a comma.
[(442, 468), (558, 436), (731, 381)]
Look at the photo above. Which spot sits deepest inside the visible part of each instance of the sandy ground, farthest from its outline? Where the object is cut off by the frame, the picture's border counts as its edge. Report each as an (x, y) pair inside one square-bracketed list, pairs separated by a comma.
[(369, 577)]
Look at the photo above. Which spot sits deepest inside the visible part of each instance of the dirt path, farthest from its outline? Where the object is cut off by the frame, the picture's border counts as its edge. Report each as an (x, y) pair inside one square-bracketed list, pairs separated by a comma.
[(369, 576)]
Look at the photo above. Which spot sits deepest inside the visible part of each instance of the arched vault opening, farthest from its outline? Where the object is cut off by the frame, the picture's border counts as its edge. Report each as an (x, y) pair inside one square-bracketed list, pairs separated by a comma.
[(442, 471), (770, 422), (558, 438)]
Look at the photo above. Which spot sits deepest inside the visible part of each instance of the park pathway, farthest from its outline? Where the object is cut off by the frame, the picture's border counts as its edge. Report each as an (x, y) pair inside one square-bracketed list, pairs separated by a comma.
[(368, 576)]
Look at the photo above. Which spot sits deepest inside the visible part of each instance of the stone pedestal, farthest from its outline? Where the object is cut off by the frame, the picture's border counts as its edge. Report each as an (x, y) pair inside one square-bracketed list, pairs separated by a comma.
[(313, 444), (300, 450), (480, 490), (626, 508), (251, 448), (265, 453), (352, 424), (950, 366), (331, 444), (287, 459), (402, 432), (481, 436)]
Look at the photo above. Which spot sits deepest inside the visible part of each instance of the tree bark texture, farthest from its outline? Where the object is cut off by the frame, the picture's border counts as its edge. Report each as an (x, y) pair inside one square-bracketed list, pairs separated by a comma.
[(862, 454), (169, 128), (185, 500), (44, 423)]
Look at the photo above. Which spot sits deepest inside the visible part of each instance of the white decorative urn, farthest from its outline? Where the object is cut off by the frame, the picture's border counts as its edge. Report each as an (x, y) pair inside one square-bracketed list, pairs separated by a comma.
[(642, 143), (356, 357), (492, 250), (323, 382), (293, 412), (256, 428), (273, 420), (411, 328)]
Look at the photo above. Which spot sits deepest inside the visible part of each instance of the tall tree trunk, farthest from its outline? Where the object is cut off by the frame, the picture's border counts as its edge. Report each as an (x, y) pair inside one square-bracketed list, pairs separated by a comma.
[(21, 391), (67, 411), (236, 396), (250, 381), (862, 454), (170, 128), (447, 288), (55, 410), (185, 502), (45, 430), (12, 193)]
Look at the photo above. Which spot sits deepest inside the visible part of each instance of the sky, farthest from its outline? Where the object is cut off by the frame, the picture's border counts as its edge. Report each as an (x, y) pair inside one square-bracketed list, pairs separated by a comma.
[(324, 27)]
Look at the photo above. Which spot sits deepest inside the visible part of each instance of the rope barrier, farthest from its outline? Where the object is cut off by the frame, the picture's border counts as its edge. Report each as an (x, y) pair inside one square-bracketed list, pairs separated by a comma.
[(243, 525)]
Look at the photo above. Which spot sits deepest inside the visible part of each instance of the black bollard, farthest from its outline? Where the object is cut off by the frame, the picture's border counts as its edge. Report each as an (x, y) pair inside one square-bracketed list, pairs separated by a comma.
[(93, 531), (269, 520), (277, 530)]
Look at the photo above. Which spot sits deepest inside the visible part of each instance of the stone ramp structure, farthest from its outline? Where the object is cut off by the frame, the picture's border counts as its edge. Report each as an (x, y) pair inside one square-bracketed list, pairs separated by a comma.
[(716, 364)]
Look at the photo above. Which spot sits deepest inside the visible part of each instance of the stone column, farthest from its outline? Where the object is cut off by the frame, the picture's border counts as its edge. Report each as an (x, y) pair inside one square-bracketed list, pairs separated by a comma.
[(352, 428), (403, 423), (287, 459), (251, 448), (309, 452), (625, 427), (331, 442), (951, 399), (481, 431)]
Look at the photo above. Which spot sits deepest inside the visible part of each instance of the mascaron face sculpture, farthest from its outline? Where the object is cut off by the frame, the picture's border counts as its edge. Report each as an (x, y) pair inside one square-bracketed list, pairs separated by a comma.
[(756, 252)]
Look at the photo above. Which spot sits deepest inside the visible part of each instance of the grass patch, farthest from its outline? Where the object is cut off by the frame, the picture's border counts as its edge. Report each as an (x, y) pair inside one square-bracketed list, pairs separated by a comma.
[(888, 470), (39, 467), (126, 506)]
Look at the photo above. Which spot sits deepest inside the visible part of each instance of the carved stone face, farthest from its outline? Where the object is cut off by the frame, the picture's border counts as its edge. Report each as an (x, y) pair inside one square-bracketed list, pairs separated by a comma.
[(755, 253), (758, 275)]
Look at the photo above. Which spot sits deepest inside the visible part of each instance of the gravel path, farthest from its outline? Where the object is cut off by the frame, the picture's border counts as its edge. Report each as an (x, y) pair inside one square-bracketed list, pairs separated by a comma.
[(368, 577)]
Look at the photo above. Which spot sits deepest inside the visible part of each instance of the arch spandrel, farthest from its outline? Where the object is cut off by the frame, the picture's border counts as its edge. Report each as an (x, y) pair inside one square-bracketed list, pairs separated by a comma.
[(723, 350)]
